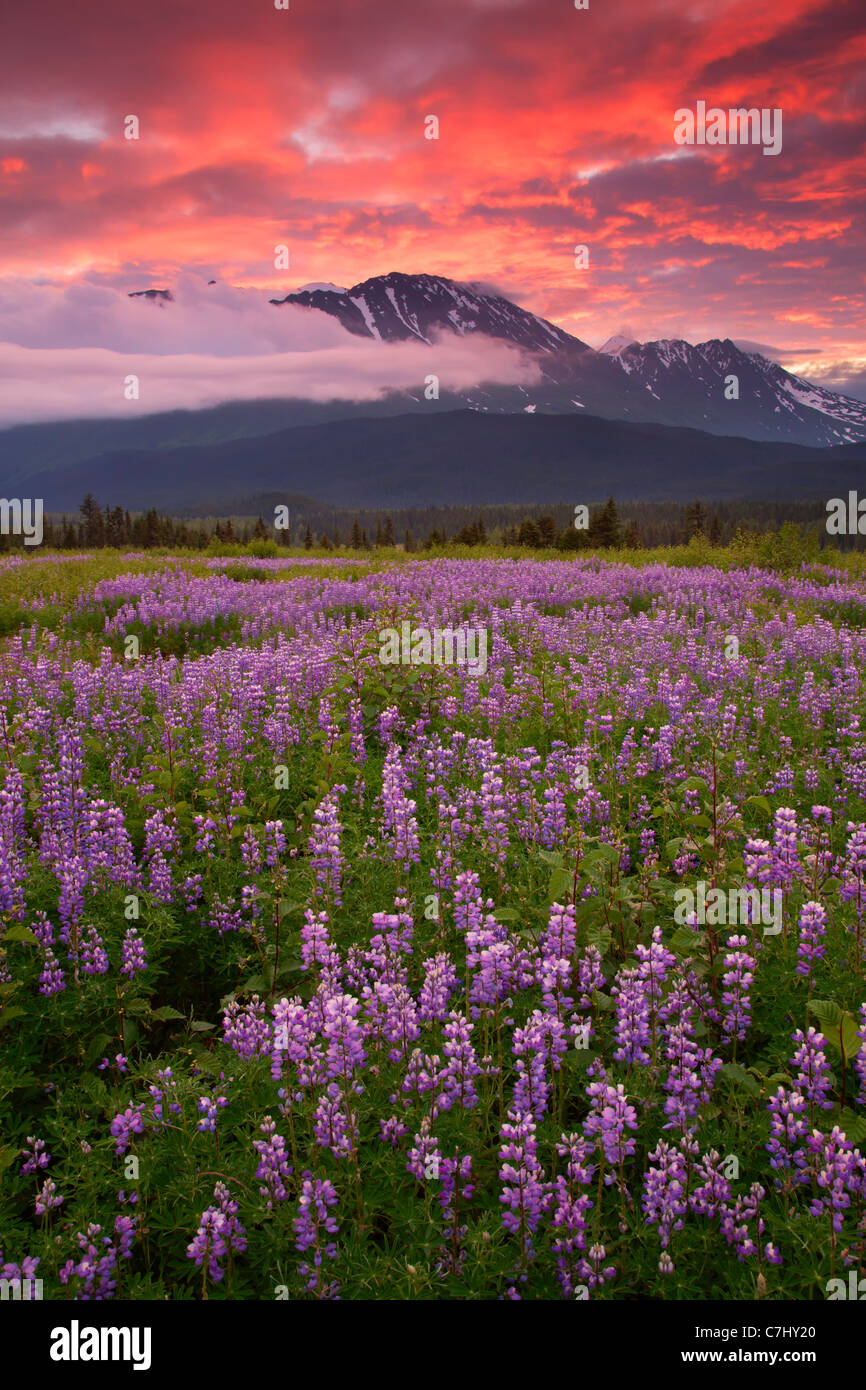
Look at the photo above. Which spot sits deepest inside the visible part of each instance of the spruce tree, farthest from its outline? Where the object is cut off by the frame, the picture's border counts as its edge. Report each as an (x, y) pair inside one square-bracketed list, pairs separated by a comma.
[(696, 520)]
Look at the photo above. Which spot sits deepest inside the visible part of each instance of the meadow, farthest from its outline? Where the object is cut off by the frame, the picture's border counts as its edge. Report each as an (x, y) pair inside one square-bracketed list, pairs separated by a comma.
[(322, 978)]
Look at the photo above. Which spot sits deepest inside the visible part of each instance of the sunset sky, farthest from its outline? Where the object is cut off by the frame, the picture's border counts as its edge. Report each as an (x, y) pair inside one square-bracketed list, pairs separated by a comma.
[(261, 126)]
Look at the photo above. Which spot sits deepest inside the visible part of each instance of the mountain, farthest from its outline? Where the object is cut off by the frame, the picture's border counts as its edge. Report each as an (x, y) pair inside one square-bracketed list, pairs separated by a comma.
[(771, 403), (399, 308), (668, 382), (459, 457)]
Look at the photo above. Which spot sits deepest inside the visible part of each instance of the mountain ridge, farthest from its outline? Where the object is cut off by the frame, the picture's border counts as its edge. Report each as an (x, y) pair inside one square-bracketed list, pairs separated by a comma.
[(460, 457)]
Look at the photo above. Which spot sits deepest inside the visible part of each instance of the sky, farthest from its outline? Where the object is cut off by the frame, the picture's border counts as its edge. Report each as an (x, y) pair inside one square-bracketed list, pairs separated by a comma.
[(305, 127)]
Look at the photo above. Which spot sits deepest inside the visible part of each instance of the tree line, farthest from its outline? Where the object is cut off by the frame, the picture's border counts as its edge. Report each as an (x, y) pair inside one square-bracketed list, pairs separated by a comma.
[(610, 524)]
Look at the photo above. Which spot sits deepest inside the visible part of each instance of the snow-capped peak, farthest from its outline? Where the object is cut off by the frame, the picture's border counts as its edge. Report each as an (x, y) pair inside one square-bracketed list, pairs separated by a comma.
[(615, 345), (321, 285)]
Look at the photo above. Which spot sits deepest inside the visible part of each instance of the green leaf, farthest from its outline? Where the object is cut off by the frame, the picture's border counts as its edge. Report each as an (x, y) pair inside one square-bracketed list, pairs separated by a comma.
[(740, 1077), (560, 885), (12, 1011), (289, 966), (762, 803), (603, 1002), (599, 936), (18, 932), (198, 1027), (507, 914), (287, 908), (552, 857), (838, 1026), (853, 1125), (165, 1012), (686, 942), (828, 1014), (99, 1047)]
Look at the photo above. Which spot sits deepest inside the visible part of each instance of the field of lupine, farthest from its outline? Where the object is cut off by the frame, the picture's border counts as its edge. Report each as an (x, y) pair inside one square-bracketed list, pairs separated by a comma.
[(322, 978)]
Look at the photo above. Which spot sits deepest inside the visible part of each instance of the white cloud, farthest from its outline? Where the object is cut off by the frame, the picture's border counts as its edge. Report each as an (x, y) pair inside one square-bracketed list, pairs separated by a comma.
[(77, 383)]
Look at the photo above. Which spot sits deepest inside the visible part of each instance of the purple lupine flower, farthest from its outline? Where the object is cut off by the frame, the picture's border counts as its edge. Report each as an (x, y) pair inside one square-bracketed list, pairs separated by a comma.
[(313, 1225), (455, 1176), (593, 1269), (35, 1157), (789, 1128), (711, 1189), (523, 1194), (219, 1234), (398, 810), (786, 864), (332, 1127), (664, 1200), (133, 954), (735, 1227), (813, 926), (251, 851), (589, 977), (632, 1028), (94, 958), (26, 1271), (813, 1076), (246, 1029), (391, 1131), (839, 1172), (273, 1165), (693, 1069), (738, 978), (494, 977), (423, 1160), (860, 1059), (553, 823), (324, 845), (461, 1064), (120, 1062), (655, 961), (205, 830), (343, 1034), (440, 982), (192, 891), (51, 980), (292, 1035), (569, 1209), (315, 941), (48, 1198), (208, 1107), (275, 842), (531, 1087), (94, 1270), (125, 1124), (853, 869), (610, 1117)]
